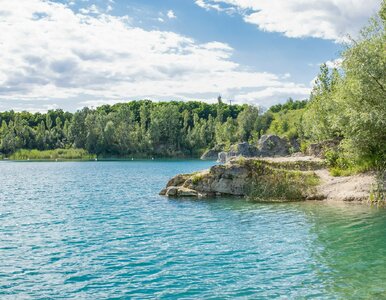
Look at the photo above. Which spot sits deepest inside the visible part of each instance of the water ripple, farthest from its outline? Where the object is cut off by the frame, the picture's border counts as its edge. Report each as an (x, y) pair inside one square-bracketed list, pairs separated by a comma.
[(99, 230)]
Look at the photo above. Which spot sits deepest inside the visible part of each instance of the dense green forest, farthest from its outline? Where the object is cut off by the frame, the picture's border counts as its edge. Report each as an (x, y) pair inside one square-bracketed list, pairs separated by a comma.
[(347, 104), (139, 128)]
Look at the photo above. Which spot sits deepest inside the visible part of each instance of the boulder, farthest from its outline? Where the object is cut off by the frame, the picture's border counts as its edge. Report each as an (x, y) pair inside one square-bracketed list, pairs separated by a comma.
[(319, 149), (179, 191), (241, 149), (272, 145), (172, 191), (212, 154), (294, 145), (222, 157), (186, 192), (177, 180), (268, 146), (163, 192)]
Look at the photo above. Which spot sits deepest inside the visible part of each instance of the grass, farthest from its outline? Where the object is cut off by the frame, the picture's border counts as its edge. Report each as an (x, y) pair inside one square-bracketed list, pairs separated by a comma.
[(341, 164), (78, 154), (196, 178), (280, 184)]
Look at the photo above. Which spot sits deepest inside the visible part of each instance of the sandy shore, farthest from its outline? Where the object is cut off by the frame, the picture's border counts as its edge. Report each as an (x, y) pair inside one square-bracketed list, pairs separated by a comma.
[(344, 188)]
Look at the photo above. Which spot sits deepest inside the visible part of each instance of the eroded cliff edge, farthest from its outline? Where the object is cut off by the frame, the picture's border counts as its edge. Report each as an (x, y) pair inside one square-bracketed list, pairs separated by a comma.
[(267, 179)]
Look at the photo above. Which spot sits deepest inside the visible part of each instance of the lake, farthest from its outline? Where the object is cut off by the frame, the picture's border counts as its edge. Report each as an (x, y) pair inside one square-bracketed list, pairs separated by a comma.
[(96, 230)]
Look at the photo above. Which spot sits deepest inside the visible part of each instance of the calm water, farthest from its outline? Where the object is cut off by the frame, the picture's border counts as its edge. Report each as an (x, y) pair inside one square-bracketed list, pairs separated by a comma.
[(95, 230)]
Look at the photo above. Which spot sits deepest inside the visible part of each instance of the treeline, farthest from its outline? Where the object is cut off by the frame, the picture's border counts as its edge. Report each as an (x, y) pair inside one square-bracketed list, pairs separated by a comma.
[(138, 128)]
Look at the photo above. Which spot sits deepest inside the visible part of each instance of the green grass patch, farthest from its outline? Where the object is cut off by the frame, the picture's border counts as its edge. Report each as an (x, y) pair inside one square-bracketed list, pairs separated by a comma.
[(274, 184), (196, 178), (65, 154)]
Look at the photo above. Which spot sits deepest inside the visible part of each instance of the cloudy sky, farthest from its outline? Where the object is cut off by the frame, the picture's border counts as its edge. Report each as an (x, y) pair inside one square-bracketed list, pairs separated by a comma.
[(74, 53)]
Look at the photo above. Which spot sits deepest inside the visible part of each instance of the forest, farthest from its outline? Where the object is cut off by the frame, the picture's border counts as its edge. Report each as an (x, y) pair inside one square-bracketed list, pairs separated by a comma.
[(347, 103), (136, 128)]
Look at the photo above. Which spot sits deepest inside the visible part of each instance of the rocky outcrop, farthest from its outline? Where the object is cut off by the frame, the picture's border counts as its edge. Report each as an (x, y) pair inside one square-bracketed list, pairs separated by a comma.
[(294, 145), (272, 145), (212, 154), (319, 149), (241, 149), (277, 178), (239, 175), (268, 146)]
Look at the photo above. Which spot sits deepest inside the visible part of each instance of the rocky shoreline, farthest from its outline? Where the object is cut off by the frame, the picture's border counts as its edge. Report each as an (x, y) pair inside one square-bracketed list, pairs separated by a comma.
[(271, 178)]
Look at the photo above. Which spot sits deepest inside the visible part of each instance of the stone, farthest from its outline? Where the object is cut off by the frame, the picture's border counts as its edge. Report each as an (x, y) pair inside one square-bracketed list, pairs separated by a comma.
[(294, 145), (241, 149), (212, 154), (319, 149), (222, 157), (172, 191), (272, 145), (268, 146), (177, 180), (186, 192)]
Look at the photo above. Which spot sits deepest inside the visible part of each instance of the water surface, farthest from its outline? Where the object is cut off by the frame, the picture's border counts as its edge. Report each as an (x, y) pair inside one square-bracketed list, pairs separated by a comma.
[(94, 230)]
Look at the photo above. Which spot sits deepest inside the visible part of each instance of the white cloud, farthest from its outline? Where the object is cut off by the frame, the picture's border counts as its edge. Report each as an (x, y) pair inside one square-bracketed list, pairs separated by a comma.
[(93, 9), (207, 5), (264, 96), (326, 19), (336, 63), (47, 52), (171, 15)]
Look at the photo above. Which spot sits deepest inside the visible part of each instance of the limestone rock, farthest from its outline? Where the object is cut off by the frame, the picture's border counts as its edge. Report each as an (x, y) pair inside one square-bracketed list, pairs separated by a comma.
[(172, 191), (272, 145), (304, 177), (268, 146), (222, 157), (241, 149), (186, 192), (177, 180), (319, 149), (212, 154), (209, 155)]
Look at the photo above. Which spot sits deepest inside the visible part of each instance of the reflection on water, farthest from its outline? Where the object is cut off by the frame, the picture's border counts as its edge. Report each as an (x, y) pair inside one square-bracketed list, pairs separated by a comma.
[(99, 230)]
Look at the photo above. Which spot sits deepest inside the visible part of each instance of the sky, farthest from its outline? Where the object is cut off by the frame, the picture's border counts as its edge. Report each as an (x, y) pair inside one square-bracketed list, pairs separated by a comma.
[(74, 53)]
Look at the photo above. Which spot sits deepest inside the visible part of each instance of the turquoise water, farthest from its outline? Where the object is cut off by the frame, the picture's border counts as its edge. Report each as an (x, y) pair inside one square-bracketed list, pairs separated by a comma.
[(97, 230)]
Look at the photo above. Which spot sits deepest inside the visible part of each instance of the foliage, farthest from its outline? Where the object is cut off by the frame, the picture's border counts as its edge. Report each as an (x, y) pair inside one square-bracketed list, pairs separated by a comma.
[(137, 128), (289, 105), (351, 103), (281, 119), (24, 154), (279, 184), (287, 123)]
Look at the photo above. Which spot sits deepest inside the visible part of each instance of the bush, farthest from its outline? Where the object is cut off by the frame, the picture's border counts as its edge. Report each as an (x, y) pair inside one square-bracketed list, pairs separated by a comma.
[(24, 154), (280, 184)]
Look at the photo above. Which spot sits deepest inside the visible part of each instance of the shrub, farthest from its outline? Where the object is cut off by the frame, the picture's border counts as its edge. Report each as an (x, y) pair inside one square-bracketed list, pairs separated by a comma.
[(24, 154), (279, 184)]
